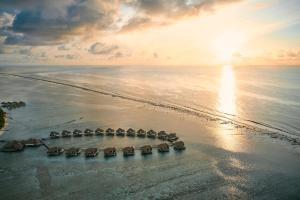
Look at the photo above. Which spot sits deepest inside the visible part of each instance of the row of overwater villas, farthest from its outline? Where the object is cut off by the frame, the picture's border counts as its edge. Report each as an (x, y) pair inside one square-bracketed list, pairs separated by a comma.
[(112, 151), (14, 146), (171, 137)]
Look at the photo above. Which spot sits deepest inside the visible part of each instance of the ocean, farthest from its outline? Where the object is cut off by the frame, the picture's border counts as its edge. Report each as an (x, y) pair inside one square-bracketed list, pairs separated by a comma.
[(224, 114)]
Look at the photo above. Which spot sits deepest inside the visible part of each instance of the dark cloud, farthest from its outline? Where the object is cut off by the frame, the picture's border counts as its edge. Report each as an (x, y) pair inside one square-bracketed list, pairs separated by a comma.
[(53, 22), (168, 11), (101, 48), (48, 22)]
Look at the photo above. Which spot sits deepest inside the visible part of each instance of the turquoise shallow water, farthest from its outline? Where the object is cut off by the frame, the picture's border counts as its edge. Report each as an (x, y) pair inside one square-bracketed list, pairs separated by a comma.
[(220, 162)]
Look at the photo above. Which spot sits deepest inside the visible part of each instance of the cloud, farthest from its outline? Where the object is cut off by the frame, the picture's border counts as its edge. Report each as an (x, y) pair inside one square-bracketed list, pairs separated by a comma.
[(155, 55), (164, 12), (101, 48), (52, 22), (16, 50), (6, 19), (44, 22), (117, 55), (63, 47), (68, 56)]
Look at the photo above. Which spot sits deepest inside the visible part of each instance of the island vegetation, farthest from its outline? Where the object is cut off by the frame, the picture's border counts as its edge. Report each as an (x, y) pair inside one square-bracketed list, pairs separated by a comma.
[(2, 118)]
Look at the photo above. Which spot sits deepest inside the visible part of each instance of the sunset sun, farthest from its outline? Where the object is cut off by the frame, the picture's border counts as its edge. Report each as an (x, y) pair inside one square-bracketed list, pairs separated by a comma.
[(227, 44)]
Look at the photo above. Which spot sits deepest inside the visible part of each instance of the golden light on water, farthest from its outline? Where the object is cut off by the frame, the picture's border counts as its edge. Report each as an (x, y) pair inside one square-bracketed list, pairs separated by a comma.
[(226, 133), (226, 102)]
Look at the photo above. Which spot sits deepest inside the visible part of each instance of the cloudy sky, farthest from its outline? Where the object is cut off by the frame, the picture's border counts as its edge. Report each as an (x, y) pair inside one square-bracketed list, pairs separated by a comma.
[(150, 32)]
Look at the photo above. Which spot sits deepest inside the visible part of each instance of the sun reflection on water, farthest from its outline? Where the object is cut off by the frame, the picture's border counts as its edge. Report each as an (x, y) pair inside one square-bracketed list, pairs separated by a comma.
[(226, 103), (227, 134)]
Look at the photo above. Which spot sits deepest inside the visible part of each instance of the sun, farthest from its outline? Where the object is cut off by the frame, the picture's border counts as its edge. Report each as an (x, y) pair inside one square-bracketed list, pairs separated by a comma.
[(227, 44)]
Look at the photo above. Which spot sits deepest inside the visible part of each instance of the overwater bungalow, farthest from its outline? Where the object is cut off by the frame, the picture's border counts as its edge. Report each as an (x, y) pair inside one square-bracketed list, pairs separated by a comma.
[(22, 103), (72, 152), (128, 151), (88, 132), (130, 132), (55, 151), (110, 151), (162, 135), (54, 135), (13, 146), (179, 145), (110, 132), (172, 137), (147, 149), (77, 133), (91, 152), (99, 132), (32, 142), (65, 134), (164, 147), (151, 134), (141, 133), (120, 132)]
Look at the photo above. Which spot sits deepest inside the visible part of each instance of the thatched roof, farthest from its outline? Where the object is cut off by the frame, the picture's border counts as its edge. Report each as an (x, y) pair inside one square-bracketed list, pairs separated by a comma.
[(52, 151), (128, 151), (179, 145), (13, 146), (72, 151), (91, 152), (164, 147), (147, 149), (110, 151)]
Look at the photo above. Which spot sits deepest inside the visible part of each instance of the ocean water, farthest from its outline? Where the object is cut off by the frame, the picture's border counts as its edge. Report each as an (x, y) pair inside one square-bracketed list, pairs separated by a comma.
[(268, 97), (203, 105)]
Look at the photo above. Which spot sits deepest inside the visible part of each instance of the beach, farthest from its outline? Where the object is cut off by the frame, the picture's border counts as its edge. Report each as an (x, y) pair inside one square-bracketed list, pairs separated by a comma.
[(230, 152)]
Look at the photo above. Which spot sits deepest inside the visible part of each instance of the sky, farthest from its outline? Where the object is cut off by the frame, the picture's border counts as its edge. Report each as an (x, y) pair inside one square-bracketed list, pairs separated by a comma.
[(150, 32)]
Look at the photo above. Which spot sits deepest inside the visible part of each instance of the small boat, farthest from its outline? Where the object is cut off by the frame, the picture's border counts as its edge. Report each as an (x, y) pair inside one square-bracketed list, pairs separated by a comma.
[(32, 142), (128, 151), (151, 134), (120, 132), (147, 149), (110, 151), (141, 133), (99, 132), (172, 137), (77, 133), (65, 134), (179, 145), (13, 146), (162, 135), (88, 132), (91, 152), (55, 151), (130, 132), (110, 132), (54, 135), (163, 147), (71, 152)]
